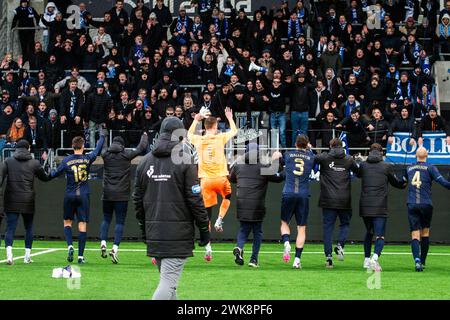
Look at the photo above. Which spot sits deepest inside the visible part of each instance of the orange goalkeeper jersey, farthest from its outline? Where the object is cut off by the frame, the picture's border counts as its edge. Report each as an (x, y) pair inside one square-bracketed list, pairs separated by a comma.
[(211, 151)]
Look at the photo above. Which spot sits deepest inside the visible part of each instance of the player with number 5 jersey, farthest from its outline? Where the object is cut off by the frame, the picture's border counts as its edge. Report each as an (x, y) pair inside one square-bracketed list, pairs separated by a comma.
[(76, 167), (420, 208)]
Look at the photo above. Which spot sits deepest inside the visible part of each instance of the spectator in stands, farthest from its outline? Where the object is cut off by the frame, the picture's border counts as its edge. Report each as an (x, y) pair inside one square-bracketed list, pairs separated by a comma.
[(98, 105), (15, 132), (355, 127), (82, 83), (443, 33), (378, 128), (432, 122), (403, 123), (37, 138), (26, 16)]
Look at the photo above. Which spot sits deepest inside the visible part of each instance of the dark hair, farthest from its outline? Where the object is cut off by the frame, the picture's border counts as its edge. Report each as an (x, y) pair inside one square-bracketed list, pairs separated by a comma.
[(77, 143), (376, 146), (302, 141), (210, 122), (73, 80), (336, 142)]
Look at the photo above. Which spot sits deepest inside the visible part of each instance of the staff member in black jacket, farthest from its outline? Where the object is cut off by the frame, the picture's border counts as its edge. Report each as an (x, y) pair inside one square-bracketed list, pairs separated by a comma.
[(335, 196), (376, 175), (252, 179), (168, 202), (71, 106), (116, 189), (20, 171)]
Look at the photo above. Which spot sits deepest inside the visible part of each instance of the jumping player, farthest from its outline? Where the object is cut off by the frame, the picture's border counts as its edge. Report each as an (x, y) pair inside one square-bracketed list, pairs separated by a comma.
[(295, 199), (212, 166), (76, 200), (420, 209)]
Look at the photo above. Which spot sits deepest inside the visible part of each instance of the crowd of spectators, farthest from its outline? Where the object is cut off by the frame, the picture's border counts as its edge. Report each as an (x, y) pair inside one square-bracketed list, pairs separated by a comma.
[(356, 66)]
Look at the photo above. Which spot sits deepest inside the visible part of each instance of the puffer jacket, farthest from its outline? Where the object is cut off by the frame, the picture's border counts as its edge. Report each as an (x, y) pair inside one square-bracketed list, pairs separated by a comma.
[(251, 189), (117, 169), (19, 172), (167, 197), (375, 175), (335, 187)]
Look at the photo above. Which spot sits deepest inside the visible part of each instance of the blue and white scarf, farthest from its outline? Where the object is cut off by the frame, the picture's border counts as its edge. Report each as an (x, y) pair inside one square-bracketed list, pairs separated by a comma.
[(298, 29), (354, 15), (395, 75), (400, 94), (349, 107), (229, 70), (424, 65), (442, 31), (181, 23), (138, 52)]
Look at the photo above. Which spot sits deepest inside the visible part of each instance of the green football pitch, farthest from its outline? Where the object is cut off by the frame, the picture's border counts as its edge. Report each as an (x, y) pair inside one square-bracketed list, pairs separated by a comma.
[(136, 278)]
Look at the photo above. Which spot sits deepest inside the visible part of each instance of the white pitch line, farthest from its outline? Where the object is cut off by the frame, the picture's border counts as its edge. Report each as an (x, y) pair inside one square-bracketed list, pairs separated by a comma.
[(230, 251), (32, 255)]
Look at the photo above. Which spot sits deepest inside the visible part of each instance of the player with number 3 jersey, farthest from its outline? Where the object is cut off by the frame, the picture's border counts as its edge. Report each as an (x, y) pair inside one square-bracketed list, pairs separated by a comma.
[(295, 198)]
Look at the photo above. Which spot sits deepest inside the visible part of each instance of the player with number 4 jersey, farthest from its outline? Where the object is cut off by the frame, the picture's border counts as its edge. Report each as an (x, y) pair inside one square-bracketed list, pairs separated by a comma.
[(76, 167), (420, 208)]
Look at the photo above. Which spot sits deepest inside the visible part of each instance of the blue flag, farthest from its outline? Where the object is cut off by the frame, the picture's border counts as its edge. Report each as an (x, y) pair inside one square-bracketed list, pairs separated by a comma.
[(343, 138)]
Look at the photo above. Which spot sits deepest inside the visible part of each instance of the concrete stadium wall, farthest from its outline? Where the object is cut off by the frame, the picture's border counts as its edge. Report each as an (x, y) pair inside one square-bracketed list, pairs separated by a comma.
[(48, 219)]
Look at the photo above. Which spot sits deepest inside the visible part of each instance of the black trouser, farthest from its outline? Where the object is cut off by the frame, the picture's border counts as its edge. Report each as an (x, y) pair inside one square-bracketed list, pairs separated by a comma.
[(26, 38)]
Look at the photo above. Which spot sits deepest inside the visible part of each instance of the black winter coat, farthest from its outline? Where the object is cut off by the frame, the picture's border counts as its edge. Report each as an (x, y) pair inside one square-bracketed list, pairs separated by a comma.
[(335, 186), (375, 176), (251, 189), (97, 107), (19, 172), (117, 169), (167, 196)]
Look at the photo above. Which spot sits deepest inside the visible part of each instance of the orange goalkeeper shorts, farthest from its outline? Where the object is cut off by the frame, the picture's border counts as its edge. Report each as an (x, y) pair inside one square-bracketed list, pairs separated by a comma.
[(211, 187)]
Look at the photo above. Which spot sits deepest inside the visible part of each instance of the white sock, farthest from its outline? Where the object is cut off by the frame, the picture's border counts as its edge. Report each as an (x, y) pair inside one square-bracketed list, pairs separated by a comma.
[(103, 243), (286, 243), (9, 254), (115, 248), (375, 257), (208, 247), (27, 252), (70, 247), (80, 257)]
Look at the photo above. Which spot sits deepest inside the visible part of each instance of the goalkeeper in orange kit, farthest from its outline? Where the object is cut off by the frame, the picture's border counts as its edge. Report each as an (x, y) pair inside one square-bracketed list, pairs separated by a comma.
[(212, 166)]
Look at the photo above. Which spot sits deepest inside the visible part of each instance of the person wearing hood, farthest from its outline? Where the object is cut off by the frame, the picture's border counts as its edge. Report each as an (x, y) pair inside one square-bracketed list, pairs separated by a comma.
[(116, 189), (375, 176), (19, 171), (252, 174), (335, 196), (168, 204), (49, 16), (443, 33)]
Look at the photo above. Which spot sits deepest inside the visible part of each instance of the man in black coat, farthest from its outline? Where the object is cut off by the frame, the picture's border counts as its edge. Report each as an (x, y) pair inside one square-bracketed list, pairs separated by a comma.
[(252, 175), (335, 196), (71, 110), (19, 172), (375, 176), (25, 16), (97, 107), (168, 202), (116, 189)]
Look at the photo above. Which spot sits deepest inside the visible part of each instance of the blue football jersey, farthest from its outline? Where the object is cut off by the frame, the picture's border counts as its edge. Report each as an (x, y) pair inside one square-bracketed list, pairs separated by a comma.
[(420, 177), (77, 168), (298, 166)]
